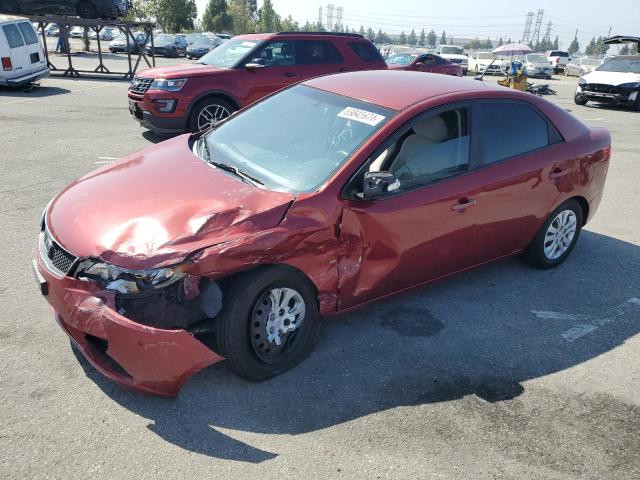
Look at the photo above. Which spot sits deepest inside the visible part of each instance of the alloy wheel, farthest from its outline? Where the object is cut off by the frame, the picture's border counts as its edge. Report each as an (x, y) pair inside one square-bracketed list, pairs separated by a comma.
[(559, 234), (210, 115)]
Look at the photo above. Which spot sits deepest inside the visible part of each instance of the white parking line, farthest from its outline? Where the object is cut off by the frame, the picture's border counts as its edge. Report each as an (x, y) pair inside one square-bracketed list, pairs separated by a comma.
[(590, 323), (103, 160)]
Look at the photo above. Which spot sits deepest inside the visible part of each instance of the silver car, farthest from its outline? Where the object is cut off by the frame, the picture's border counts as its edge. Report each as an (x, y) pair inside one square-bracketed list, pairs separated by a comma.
[(581, 66), (536, 65)]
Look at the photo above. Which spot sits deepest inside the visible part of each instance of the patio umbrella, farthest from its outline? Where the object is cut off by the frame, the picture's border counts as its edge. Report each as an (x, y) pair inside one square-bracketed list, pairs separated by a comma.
[(512, 49)]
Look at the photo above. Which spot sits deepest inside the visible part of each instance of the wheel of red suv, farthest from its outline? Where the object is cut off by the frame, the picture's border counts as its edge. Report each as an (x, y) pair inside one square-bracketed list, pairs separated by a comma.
[(557, 236), (208, 112), (269, 322), (86, 10)]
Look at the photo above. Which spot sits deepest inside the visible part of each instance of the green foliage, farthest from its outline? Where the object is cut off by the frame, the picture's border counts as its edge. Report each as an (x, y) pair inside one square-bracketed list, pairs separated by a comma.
[(432, 38), (240, 12), (141, 10), (289, 25), (268, 20), (403, 38), (423, 38), (174, 15), (412, 39), (597, 47), (361, 31), (443, 38), (216, 17)]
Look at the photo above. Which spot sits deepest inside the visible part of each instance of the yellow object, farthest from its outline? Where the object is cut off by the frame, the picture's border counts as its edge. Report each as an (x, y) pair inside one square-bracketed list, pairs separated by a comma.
[(518, 83)]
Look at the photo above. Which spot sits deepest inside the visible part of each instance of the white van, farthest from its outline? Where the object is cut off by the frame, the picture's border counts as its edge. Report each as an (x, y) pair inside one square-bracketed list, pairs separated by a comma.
[(22, 60)]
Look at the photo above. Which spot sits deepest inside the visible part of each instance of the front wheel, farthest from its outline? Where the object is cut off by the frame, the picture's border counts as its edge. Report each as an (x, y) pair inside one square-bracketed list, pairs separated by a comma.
[(269, 322), (579, 100), (207, 113), (557, 236)]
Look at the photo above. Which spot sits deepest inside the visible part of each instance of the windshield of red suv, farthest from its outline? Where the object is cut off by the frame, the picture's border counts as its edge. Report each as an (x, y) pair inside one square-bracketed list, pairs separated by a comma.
[(229, 53), (294, 141)]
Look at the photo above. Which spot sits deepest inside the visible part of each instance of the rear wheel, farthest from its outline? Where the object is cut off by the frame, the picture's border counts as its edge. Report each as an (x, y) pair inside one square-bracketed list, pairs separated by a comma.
[(87, 10), (208, 112), (557, 236), (269, 322)]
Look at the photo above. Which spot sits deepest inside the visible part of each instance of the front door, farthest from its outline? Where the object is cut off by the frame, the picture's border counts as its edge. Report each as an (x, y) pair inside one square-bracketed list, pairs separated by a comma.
[(273, 67)]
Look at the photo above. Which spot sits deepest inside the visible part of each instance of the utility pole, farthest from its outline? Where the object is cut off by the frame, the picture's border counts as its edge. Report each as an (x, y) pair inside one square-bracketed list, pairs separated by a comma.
[(526, 36), (536, 32), (320, 15), (609, 35), (329, 25)]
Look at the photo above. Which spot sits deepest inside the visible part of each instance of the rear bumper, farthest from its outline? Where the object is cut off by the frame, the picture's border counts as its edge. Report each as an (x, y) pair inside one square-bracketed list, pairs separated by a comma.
[(25, 79), (136, 356)]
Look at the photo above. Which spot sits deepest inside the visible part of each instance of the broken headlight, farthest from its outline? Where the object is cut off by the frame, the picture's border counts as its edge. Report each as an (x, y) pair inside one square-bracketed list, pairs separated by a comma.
[(123, 280)]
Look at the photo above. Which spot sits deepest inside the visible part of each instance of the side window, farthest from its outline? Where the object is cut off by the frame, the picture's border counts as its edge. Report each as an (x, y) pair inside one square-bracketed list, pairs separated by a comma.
[(366, 51), (276, 54), (311, 52), (511, 129), (27, 32), (428, 60), (434, 148), (13, 35)]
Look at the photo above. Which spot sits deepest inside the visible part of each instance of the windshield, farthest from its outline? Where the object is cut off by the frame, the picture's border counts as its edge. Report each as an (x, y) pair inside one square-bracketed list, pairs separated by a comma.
[(485, 56), (590, 61), (229, 53), (164, 39), (630, 65), (452, 50), (202, 42), (295, 140), (401, 59), (537, 58)]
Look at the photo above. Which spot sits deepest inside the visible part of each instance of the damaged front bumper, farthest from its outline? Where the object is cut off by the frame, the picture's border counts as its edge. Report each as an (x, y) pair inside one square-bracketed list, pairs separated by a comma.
[(137, 356)]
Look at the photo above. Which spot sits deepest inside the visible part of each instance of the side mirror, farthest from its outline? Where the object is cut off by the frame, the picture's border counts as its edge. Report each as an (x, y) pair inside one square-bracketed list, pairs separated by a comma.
[(378, 183), (254, 63)]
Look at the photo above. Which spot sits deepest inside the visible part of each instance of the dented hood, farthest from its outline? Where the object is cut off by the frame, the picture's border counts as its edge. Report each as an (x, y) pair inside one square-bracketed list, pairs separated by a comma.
[(155, 207)]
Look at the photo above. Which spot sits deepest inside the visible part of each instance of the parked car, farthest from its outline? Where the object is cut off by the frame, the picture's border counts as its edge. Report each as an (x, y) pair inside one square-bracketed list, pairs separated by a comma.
[(256, 229), (581, 66), (536, 65), (615, 82), (76, 32), (81, 8), (485, 62), (239, 72), (202, 46), (21, 55), (52, 30), (120, 44), (106, 33), (426, 62), (454, 54), (168, 45), (558, 59)]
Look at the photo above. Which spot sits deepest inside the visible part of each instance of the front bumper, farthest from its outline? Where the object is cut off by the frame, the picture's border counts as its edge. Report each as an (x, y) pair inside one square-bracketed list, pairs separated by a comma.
[(141, 109), (622, 99), (25, 79), (136, 356)]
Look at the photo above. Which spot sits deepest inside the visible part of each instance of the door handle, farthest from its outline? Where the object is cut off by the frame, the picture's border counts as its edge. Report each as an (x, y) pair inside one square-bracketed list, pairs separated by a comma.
[(289, 74), (463, 203), (557, 173)]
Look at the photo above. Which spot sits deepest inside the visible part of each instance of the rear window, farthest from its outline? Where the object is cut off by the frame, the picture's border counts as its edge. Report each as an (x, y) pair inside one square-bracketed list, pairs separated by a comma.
[(314, 52), (558, 54), (366, 51), (13, 35), (27, 32)]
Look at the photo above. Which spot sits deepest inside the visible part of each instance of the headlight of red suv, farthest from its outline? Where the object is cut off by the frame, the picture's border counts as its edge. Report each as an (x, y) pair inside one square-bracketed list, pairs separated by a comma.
[(168, 84)]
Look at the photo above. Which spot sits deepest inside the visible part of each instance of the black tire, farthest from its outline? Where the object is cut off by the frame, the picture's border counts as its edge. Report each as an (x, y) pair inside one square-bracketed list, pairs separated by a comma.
[(233, 327), (87, 10), (636, 103), (207, 103), (535, 255), (579, 100)]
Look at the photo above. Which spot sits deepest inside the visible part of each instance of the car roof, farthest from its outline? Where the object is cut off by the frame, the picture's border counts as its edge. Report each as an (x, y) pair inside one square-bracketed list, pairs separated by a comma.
[(396, 89)]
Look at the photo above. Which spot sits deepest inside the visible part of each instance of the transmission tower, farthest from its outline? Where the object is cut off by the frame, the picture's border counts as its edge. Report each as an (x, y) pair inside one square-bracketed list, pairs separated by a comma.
[(526, 36), (339, 18), (320, 15), (329, 25), (536, 33), (547, 32)]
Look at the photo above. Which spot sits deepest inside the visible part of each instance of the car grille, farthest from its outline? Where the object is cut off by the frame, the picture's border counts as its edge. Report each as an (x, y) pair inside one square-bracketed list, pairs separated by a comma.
[(601, 88), (58, 257), (140, 85)]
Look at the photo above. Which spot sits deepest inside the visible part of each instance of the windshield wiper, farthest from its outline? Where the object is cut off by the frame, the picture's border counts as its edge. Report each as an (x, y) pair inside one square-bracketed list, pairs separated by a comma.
[(226, 167)]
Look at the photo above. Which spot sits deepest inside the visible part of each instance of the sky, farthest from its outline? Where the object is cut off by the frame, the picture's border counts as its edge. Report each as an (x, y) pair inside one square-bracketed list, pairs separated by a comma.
[(471, 18)]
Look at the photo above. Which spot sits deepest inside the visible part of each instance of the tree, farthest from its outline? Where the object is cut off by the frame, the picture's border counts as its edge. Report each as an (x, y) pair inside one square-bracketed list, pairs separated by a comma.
[(500, 42), (361, 31), (634, 49), (175, 15), (432, 38), (241, 14), (141, 10), (289, 25), (443, 38), (591, 48), (216, 17), (556, 44), (268, 19), (423, 38), (488, 44), (412, 40), (403, 38), (371, 35)]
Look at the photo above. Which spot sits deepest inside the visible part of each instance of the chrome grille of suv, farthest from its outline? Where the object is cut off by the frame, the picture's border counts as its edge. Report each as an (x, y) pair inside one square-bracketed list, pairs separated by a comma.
[(140, 85), (58, 257)]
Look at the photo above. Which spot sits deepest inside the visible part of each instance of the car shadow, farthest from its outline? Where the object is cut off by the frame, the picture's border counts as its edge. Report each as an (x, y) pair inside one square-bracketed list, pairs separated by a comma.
[(152, 137), (481, 333), (28, 92)]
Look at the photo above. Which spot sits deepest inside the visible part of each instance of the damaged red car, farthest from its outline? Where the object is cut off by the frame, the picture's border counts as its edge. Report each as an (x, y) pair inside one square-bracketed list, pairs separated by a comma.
[(330, 194)]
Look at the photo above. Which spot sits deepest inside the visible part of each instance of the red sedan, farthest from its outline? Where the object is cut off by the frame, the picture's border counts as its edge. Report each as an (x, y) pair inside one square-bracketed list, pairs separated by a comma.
[(330, 194), (423, 62)]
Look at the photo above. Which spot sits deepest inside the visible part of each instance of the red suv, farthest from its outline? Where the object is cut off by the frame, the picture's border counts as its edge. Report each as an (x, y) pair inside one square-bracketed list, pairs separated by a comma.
[(193, 97)]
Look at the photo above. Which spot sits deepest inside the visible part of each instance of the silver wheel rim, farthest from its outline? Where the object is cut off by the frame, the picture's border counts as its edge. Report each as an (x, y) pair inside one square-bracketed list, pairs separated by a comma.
[(559, 234), (276, 317), (210, 115)]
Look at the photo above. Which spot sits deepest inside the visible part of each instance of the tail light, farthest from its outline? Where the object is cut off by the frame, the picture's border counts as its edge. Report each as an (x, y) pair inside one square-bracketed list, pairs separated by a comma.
[(607, 152), (6, 63), (557, 59)]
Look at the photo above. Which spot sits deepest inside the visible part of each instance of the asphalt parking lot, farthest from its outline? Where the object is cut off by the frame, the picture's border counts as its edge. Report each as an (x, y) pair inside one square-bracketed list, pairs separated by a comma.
[(502, 372)]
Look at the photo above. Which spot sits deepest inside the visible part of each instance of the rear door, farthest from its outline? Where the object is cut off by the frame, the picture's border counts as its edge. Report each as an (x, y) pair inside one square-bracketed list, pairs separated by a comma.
[(18, 52), (273, 67), (318, 57), (33, 48)]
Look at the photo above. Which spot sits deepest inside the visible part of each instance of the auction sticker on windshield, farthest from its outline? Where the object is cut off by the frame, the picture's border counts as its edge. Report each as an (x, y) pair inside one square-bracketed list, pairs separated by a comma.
[(362, 116)]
